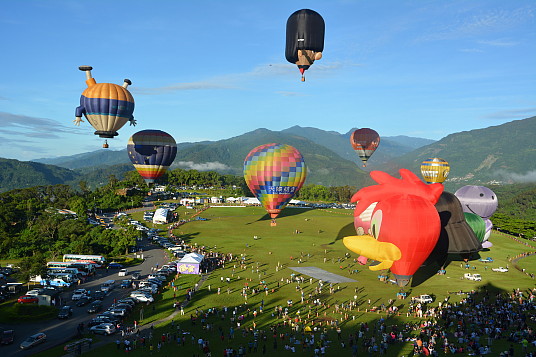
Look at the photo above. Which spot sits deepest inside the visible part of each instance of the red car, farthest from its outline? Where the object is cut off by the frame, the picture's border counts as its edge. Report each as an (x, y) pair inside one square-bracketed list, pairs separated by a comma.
[(28, 299)]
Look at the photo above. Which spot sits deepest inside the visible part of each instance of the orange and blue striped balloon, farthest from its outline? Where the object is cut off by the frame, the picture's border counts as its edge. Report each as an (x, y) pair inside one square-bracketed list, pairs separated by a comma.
[(106, 106), (274, 173), (151, 152)]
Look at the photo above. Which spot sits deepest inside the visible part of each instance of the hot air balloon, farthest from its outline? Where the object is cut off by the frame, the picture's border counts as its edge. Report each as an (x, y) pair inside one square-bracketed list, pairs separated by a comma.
[(151, 152), (481, 201), (456, 237), (274, 173), (305, 39), (365, 141), (106, 106), (435, 170), (477, 224), (405, 224)]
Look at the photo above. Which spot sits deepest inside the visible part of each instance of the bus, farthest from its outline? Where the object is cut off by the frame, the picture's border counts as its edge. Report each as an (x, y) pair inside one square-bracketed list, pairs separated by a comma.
[(98, 260), (57, 270), (84, 268)]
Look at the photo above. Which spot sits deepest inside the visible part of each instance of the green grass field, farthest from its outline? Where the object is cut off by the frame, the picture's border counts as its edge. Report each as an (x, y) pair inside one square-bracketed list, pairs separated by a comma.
[(268, 259)]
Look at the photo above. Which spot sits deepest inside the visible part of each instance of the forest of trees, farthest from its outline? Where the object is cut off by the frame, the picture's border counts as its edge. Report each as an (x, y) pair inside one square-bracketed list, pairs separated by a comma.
[(31, 226)]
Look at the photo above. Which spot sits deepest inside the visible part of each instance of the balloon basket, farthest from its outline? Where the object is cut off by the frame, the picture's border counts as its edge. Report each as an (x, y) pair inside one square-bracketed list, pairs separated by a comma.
[(273, 223)]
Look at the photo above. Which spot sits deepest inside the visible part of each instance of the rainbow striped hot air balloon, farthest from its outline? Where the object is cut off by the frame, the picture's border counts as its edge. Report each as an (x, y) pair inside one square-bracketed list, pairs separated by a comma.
[(274, 173), (151, 152), (106, 106), (435, 170)]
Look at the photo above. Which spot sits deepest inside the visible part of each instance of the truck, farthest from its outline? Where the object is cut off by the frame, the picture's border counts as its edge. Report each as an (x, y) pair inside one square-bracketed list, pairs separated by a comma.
[(423, 299), (473, 277)]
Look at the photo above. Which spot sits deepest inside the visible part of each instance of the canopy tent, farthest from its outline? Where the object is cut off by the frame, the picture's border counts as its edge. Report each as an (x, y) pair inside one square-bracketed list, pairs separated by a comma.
[(190, 263)]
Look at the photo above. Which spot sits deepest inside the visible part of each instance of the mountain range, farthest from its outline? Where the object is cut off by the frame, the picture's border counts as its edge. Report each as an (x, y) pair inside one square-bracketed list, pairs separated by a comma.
[(499, 154)]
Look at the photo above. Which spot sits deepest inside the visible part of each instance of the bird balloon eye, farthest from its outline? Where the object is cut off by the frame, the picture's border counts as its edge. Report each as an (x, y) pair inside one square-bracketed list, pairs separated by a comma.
[(481, 195), (376, 223)]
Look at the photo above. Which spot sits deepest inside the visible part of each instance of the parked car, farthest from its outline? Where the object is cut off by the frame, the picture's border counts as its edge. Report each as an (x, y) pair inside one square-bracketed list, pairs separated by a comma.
[(28, 299), (141, 296), (35, 292), (84, 301), (94, 307), (423, 299), (78, 293), (123, 272), (7, 337), (119, 312), (65, 312), (33, 340), (114, 265), (500, 270), (101, 320), (125, 284), (473, 277), (136, 275), (99, 295), (103, 329), (128, 301)]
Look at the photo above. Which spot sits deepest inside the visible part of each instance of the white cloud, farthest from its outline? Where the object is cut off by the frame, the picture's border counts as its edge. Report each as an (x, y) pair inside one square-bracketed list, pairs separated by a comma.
[(207, 166), (482, 23), (499, 43), (32, 127), (236, 80), (527, 177), (512, 114)]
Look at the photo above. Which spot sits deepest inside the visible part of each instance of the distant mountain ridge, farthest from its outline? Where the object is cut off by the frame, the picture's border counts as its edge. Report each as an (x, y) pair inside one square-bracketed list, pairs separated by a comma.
[(499, 154)]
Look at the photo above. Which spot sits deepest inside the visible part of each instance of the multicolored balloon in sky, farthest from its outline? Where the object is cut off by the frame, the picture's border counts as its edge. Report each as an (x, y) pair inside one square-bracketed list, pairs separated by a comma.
[(435, 170), (274, 173), (405, 224), (365, 141), (481, 201), (106, 106), (305, 39), (151, 152)]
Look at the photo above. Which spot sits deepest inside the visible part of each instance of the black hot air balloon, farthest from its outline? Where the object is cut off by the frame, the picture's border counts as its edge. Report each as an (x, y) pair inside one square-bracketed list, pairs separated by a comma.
[(456, 236), (305, 38)]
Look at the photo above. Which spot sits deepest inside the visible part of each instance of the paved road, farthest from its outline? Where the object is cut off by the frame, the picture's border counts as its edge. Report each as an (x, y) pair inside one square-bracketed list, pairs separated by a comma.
[(60, 331)]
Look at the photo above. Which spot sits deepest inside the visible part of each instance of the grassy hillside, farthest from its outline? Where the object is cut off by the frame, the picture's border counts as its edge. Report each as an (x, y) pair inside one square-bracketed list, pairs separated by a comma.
[(504, 153), (22, 174)]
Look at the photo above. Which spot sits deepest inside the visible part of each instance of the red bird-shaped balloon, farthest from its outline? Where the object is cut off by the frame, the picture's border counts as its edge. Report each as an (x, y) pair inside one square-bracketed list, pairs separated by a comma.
[(404, 227)]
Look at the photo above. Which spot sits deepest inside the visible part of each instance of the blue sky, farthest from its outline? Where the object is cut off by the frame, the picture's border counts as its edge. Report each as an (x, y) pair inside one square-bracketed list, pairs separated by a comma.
[(211, 70)]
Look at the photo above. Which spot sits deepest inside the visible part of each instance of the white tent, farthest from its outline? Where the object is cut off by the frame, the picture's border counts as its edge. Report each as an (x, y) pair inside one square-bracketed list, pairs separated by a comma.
[(161, 216), (251, 201), (192, 258), (190, 263)]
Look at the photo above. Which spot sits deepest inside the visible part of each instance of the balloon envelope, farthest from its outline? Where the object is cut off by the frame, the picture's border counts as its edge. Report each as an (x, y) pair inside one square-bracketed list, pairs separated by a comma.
[(477, 224), (404, 218), (106, 106), (364, 141), (456, 234), (435, 170), (151, 152), (274, 173), (305, 31), (479, 200)]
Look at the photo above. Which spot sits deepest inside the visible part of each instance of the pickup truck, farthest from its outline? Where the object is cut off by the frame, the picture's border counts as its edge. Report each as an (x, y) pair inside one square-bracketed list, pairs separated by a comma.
[(423, 299), (500, 270), (473, 277)]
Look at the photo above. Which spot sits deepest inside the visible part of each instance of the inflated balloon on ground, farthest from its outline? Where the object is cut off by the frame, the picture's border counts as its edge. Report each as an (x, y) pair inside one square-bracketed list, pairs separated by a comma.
[(274, 173)]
